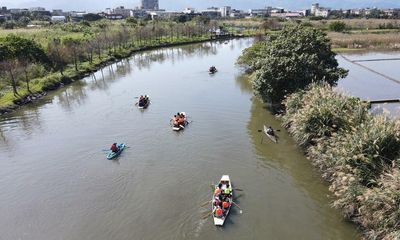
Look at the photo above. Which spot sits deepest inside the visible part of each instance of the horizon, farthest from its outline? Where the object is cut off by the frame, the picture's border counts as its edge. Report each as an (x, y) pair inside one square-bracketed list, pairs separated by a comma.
[(178, 5)]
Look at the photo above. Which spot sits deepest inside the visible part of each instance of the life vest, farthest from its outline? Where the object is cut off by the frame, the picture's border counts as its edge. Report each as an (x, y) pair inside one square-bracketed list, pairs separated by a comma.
[(227, 191), (218, 212), (225, 205)]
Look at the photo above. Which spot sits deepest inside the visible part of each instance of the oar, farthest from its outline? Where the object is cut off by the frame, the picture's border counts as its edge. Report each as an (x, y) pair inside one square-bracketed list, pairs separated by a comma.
[(238, 189), (241, 211), (205, 203), (206, 216)]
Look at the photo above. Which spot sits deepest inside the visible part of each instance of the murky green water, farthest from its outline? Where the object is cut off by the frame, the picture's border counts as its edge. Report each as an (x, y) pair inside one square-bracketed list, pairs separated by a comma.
[(57, 184)]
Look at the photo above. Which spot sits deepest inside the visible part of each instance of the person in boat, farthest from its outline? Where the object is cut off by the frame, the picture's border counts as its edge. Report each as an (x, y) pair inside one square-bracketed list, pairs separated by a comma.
[(218, 212), (228, 191), (141, 101), (213, 69), (217, 191), (114, 148), (175, 121), (225, 205), (181, 119), (270, 131)]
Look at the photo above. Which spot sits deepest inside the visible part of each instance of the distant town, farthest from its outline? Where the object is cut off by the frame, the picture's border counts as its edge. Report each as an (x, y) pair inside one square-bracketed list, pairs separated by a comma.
[(149, 9)]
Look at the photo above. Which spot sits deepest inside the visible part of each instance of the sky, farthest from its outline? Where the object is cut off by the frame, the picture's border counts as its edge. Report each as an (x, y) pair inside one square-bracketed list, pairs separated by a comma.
[(98, 5)]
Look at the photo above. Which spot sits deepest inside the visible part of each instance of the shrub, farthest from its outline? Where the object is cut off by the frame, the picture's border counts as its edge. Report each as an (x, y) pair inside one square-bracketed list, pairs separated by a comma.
[(337, 26)]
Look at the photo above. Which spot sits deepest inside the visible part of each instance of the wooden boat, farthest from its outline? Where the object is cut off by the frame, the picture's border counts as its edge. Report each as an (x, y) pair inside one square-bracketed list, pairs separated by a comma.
[(273, 138), (146, 105), (111, 155), (219, 221), (181, 127)]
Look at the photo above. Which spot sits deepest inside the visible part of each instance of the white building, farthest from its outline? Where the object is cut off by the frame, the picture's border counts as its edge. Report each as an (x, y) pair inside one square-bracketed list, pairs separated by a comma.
[(58, 19), (225, 11)]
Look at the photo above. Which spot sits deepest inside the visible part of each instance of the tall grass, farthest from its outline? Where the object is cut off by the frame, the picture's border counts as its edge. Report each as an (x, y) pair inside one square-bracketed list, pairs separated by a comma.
[(359, 154), (365, 40)]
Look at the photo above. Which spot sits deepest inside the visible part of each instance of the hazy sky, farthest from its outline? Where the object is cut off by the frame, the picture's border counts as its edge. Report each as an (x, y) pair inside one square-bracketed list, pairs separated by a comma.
[(95, 5)]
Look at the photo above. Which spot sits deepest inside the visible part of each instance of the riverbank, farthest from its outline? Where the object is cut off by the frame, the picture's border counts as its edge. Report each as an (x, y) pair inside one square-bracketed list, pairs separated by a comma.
[(40, 87), (356, 152)]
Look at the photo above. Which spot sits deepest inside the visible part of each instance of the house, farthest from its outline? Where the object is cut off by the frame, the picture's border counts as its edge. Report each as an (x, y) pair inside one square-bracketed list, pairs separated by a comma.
[(58, 19)]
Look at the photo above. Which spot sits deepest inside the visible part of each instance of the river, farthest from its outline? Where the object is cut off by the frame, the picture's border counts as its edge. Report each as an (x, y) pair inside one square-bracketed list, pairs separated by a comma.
[(57, 184)]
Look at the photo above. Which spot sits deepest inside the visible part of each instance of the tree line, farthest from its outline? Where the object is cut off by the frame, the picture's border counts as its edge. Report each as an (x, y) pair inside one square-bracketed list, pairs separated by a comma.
[(23, 59)]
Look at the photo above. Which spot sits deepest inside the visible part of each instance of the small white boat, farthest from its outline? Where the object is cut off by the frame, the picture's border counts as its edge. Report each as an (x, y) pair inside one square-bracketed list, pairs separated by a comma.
[(219, 221), (272, 137), (181, 127)]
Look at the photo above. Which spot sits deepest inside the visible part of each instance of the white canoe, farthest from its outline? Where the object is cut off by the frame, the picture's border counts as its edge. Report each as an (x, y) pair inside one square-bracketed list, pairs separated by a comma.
[(273, 138), (219, 221), (181, 127)]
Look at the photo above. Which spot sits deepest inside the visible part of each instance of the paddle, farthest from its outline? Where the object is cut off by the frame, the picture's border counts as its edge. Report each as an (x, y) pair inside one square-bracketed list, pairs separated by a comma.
[(241, 211), (206, 216), (205, 203), (238, 189)]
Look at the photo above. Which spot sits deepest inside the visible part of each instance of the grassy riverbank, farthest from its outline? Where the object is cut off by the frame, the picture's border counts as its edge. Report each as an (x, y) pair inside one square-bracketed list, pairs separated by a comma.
[(356, 152)]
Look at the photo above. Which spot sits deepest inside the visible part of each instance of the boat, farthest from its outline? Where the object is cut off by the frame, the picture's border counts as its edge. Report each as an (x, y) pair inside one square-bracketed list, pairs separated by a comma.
[(111, 155), (219, 221), (181, 127), (272, 137), (146, 105)]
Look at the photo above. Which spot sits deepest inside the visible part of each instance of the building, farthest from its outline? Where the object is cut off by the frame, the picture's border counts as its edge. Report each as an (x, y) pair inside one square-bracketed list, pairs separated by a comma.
[(122, 11), (225, 11), (37, 9), (287, 15), (57, 12), (318, 11), (314, 8), (211, 12), (264, 12), (322, 12), (58, 19), (149, 5), (189, 11)]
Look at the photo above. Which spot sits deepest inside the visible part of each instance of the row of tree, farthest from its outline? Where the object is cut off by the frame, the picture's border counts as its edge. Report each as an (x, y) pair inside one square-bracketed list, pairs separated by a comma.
[(22, 58)]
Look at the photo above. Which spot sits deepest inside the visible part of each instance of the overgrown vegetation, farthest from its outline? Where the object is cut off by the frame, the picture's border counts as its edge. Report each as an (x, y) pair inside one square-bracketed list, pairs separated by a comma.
[(359, 154)]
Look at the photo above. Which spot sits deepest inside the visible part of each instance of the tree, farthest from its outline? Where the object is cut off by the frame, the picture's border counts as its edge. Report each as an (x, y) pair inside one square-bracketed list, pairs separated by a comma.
[(17, 53), (337, 26), (297, 57)]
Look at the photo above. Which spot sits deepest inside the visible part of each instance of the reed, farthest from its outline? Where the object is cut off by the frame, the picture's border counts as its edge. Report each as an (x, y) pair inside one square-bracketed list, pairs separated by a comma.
[(365, 40), (356, 152)]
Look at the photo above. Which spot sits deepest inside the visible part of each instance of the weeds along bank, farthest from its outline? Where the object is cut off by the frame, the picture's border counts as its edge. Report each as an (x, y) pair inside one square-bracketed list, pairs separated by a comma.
[(32, 62), (356, 152)]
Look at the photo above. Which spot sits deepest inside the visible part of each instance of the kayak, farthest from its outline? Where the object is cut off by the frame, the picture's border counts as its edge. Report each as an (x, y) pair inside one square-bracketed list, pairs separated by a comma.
[(273, 138), (219, 221), (181, 127), (144, 106), (111, 155)]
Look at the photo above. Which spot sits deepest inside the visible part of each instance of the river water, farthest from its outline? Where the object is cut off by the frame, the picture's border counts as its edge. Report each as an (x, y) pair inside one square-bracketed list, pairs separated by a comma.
[(57, 184)]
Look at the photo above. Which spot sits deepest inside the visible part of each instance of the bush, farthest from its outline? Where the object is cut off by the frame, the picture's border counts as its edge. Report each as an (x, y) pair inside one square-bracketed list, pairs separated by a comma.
[(337, 26)]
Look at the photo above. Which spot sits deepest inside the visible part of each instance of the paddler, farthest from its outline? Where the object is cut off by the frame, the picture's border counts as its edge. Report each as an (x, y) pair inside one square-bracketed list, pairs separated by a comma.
[(218, 212), (114, 148), (270, 131)]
